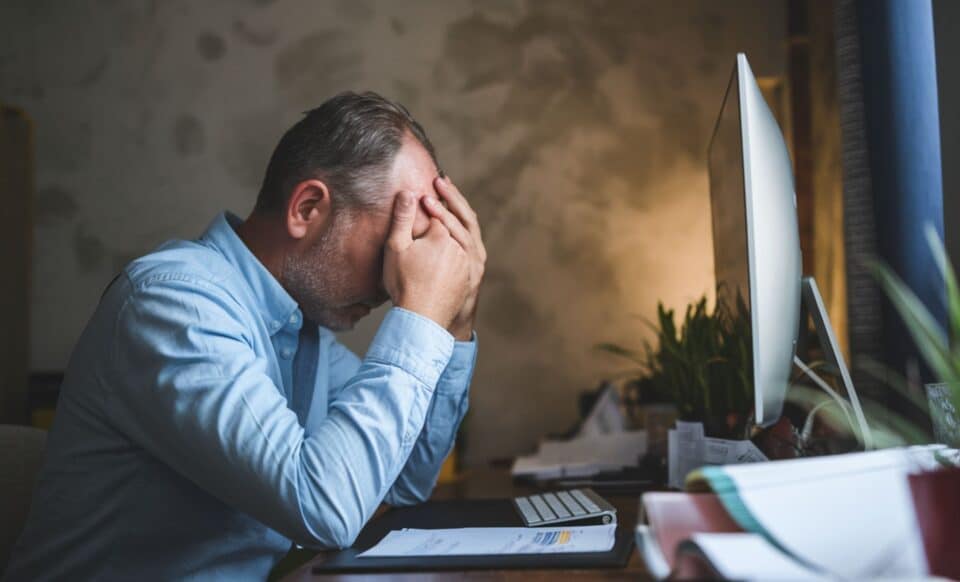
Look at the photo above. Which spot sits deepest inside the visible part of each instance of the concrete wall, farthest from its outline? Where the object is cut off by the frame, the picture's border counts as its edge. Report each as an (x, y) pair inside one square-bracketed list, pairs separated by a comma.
[(827, 172), (577, 128), (16, 185)]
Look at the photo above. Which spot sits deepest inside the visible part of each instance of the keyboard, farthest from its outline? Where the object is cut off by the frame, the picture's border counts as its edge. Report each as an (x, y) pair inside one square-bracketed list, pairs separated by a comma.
[(574, 506)]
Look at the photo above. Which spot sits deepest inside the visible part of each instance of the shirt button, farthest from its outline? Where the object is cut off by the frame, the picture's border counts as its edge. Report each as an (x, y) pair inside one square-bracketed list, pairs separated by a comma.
[(275, 325), (286, 353), (294, 319)]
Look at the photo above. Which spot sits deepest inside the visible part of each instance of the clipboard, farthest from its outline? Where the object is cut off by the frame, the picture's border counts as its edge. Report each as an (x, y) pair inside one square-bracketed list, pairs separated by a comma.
[(464, 513)]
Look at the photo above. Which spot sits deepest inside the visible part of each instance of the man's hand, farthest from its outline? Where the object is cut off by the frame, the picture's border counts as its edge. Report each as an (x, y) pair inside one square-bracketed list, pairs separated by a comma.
[(430, 275), (460, 219)]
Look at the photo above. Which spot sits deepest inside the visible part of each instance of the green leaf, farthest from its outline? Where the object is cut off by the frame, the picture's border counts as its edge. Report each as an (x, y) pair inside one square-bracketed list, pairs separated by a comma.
[(620, 351), (950, 278), (929, 337), (895, 380)]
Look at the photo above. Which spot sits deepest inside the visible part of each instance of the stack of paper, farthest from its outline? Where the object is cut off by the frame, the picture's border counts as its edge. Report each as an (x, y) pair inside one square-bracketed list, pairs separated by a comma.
[(583, 456), (851, 515), (602, 444), (606, 416)]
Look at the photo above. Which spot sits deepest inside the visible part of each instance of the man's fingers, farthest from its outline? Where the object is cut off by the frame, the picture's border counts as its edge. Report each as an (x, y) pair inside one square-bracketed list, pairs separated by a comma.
[(437, 230), (473, 223), (459, 217), (451, 222), (404, 214), (456, 202)]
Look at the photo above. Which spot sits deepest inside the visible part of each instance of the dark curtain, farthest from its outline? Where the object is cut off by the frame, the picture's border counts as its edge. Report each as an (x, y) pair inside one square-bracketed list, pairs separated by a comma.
[(887, 87)]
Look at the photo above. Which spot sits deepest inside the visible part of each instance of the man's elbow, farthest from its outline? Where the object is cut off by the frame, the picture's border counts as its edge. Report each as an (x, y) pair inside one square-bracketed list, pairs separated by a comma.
[(326, 525), (342, 538), (330, 533)]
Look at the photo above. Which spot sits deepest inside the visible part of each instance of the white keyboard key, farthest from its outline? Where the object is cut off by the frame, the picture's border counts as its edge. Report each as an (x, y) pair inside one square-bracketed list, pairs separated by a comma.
[(542, 508), (527, 510), (571, 503), (585, 501), (556, 506)]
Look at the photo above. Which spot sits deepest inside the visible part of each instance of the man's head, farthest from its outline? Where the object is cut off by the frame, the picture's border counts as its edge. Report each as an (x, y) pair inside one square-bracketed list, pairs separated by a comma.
[(328, 193)]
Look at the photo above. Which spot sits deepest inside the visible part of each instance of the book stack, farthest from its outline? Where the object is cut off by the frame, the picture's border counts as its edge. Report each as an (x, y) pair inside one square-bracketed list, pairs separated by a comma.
[(843, 516)]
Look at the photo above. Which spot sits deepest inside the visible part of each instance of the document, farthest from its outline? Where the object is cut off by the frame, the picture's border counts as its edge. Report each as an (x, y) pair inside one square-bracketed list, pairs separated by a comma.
[(690, 449), (472, 541), (606, 416), (684, 450)]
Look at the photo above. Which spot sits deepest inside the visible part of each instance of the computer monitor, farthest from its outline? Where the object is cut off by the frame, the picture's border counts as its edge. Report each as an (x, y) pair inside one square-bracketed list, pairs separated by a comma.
[(755, 235)]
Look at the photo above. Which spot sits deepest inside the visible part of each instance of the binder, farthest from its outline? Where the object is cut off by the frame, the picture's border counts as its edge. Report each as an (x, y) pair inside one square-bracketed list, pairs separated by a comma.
[(464, 513), (672, 518), (847, 516)]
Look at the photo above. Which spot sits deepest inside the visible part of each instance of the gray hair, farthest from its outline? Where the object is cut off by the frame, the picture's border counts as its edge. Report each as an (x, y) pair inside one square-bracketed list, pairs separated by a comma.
[(348, 142)]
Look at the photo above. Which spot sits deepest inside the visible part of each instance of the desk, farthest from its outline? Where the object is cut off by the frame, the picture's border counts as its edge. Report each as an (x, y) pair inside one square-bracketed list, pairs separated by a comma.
[(487, 483)]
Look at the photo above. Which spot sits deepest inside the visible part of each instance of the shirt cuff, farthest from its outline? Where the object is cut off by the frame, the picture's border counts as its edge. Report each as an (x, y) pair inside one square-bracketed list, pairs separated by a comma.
[(459, 370), (413, 343)]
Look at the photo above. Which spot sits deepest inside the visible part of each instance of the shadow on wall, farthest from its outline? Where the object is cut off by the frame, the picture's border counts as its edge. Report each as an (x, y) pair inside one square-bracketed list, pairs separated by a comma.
[(592, 188)]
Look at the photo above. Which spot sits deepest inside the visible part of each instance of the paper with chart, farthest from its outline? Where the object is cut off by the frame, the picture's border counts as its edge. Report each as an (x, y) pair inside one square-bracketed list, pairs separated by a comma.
[(473, 541)]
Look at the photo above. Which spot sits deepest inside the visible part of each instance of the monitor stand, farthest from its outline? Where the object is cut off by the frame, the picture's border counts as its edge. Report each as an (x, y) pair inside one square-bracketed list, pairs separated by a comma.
[(811, 305)]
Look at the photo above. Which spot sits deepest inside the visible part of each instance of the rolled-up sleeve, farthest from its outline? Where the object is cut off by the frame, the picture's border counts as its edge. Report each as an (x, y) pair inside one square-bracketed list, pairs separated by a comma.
[(450, 403), (204, 404), (448, 407)]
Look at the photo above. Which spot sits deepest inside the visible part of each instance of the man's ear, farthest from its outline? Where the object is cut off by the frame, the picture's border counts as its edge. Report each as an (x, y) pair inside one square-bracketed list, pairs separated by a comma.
[(309, 207)]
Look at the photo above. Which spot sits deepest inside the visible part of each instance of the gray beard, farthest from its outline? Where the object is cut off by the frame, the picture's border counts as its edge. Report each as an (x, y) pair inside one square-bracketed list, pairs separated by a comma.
[(315, 277)]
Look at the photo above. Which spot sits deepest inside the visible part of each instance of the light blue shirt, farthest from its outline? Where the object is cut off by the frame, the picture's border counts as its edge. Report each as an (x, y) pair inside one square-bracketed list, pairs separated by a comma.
[(177, 452)]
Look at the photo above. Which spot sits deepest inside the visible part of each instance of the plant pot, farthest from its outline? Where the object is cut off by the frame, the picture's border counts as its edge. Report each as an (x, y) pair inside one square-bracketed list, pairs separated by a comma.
[(936, 499), (731, 426), (657, 420)]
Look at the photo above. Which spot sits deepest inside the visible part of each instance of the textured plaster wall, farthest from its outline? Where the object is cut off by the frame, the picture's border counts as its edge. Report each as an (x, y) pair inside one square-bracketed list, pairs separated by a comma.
[(577, 128)]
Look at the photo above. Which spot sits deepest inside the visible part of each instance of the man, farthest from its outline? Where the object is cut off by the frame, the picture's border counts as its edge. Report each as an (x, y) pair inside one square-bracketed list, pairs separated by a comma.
[(208, 415)]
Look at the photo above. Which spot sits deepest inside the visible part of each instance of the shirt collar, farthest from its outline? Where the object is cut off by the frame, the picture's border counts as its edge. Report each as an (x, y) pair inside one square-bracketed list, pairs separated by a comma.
[(276, 306)]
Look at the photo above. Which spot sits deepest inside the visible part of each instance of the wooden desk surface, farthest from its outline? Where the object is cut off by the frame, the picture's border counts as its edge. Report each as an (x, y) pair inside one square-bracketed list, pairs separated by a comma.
[(489, 483)]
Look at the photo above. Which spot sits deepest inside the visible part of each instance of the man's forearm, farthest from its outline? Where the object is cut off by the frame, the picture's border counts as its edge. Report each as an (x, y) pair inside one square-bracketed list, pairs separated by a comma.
[(447, 409)]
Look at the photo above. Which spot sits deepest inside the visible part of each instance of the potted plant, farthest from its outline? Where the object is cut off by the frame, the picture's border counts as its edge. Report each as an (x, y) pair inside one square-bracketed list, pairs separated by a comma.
[(701, 367)]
